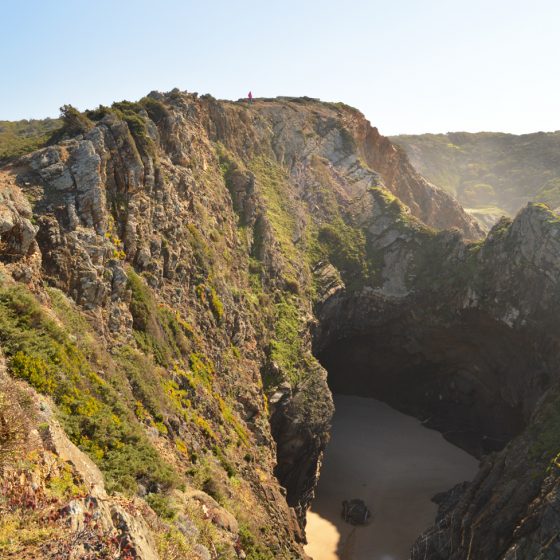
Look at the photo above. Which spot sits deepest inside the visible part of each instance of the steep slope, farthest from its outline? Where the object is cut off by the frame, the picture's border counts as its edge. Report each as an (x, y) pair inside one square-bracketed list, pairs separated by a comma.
[(171, 269), (492, 174)]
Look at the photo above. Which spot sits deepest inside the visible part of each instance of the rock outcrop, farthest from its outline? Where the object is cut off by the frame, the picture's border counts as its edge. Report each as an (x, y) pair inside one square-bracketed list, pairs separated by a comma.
[(170, 273)]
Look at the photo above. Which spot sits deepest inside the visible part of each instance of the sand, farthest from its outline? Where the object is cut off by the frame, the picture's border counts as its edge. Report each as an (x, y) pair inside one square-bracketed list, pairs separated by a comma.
[(395, 465)]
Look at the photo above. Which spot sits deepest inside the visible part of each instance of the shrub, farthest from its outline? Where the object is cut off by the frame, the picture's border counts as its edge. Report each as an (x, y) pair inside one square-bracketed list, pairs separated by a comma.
[(161, 504), (209, 296), (128, 112), (202, 368), (344, 247), (93, 413), (98, 114), (156, 109), (253, 549), (216, 305), (73, 121), (35, 370)]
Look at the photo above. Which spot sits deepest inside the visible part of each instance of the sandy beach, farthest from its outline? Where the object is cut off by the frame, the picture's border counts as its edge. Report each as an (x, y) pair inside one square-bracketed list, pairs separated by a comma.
[(395, 465)]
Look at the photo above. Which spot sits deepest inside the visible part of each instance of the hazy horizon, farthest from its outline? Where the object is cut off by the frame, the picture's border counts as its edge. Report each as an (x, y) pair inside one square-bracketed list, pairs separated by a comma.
[(410, 67)]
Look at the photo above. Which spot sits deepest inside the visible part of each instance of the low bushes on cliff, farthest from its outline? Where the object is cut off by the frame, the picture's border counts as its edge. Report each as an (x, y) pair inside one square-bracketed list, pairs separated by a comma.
[(345, 247), (157, 329), (94, 415)]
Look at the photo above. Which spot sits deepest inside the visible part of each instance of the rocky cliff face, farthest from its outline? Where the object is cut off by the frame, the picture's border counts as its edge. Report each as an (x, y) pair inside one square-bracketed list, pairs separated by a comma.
[(172, 268), (469, 343)]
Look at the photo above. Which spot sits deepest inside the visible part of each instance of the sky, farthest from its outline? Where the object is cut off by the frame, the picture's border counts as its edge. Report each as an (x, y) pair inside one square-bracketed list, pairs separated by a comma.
[(411, 66)]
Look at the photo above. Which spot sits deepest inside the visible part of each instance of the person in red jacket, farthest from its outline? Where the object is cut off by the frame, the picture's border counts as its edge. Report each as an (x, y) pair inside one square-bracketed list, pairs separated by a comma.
[(250, 97)]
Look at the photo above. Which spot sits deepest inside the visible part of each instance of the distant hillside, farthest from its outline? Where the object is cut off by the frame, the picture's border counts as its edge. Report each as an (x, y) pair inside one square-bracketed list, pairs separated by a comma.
[(490, 173), (21, 137)]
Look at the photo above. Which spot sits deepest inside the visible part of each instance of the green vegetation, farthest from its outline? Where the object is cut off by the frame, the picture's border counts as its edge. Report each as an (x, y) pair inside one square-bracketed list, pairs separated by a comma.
[(63, 486), (157, 329), (161, 333), (345, 247), (216, 304), (229, 166), (490, 169), (201, 252), (280, 206), (229, 417), (251, 545), (92, 411), (161, 504), (287, 346), (74, 122), (33, 524), (18, 532), (171, 543), (209, 296), (129, 113), (344, 107), (155, 109), (18, 138), (132, 112), (202, 368), (139, 371), (394, 208), (14, 424)]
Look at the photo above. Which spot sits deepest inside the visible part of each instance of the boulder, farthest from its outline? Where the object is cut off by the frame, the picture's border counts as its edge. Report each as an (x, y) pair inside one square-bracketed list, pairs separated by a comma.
[(355, 512)]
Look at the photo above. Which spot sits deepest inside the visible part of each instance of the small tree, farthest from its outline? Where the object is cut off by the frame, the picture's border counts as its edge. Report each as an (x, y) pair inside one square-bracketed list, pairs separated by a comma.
[(74, 121)]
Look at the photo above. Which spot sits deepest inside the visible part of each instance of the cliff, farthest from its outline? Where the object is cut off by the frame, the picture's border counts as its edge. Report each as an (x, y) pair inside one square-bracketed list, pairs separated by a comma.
[(175, 275)]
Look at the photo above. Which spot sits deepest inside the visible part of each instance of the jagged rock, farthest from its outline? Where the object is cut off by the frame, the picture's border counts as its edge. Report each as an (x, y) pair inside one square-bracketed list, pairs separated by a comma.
[(90, 519), (217, 514), (135, 533), (17, 233), (328, 281), (56, 441)]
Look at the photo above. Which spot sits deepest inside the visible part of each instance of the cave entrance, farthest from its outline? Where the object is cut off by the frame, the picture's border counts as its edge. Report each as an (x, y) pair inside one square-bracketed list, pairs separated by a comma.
[(471, 378), (475, 380)]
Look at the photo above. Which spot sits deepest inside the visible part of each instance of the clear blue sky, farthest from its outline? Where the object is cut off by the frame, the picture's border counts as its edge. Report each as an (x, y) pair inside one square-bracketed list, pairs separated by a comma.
[(409, 65)]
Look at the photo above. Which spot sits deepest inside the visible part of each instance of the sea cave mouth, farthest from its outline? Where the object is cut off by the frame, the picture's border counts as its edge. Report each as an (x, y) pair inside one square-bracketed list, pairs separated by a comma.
[(474, 380)]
